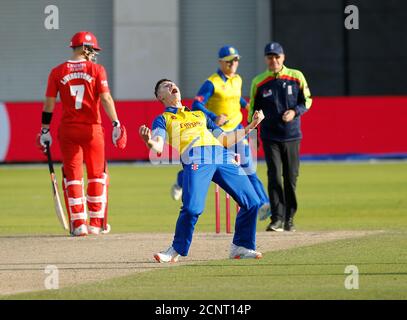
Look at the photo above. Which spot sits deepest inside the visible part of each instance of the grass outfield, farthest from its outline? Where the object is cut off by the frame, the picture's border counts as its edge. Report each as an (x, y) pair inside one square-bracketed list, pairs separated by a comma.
[(331, 197)]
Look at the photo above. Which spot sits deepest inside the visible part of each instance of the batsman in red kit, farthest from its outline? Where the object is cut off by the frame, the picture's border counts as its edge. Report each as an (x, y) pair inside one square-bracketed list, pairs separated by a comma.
[(82, 86)]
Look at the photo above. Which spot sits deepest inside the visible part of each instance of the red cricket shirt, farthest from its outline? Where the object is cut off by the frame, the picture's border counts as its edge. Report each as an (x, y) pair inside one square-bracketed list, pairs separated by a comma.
[(79, 84)]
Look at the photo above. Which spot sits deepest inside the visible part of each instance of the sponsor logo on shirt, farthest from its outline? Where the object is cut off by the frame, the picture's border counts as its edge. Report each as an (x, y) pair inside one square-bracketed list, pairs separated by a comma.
[(189, 125), (76, 66)]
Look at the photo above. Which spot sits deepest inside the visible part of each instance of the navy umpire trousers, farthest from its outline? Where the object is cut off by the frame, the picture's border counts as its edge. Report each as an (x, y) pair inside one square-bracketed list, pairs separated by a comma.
[(283, 162)]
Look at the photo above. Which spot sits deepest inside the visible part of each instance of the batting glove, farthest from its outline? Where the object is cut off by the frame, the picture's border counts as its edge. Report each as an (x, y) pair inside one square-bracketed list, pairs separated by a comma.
[(45, 136), (119, 135)]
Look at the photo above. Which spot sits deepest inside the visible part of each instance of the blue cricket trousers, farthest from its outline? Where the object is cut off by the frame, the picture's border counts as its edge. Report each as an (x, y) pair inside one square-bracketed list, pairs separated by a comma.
[(246, 159), (196, 182)]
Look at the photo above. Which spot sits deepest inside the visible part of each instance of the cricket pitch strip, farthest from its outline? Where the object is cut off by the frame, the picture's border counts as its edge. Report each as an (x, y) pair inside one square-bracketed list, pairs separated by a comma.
[(24, 259)]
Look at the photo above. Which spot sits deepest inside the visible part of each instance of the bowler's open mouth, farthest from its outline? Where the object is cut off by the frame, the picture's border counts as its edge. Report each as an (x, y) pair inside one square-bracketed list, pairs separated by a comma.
[(173, 91)]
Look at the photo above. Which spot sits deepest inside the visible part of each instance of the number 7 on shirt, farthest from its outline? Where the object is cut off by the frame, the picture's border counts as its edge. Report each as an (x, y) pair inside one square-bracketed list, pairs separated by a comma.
[(78, 92)]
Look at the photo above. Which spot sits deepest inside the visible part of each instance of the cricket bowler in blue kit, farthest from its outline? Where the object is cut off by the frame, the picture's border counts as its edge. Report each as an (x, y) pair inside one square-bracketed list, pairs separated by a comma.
[(220, 98), (205, 158)]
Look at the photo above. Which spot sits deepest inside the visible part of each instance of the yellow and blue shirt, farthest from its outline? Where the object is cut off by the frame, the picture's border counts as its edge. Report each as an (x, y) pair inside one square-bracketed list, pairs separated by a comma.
[(184, 129), (275, 93), (221, 94)]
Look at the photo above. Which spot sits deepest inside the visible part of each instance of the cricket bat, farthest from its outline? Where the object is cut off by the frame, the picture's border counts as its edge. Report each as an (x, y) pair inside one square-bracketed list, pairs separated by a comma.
[(57, 201)]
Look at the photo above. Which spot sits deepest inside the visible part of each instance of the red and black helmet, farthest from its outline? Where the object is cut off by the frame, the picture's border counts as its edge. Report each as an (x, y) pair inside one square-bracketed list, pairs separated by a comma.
[(84, 38)]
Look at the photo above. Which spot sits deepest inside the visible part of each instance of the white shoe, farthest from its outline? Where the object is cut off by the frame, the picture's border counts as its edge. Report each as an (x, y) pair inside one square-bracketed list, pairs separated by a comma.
[(107, 230), (169, 255), (264, 211), (98, 230), (237, 252), (176, 192), (80, 231)]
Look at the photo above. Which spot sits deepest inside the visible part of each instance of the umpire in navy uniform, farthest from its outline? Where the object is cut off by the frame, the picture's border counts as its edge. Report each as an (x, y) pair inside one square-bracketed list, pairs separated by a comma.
[(284, 96)]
